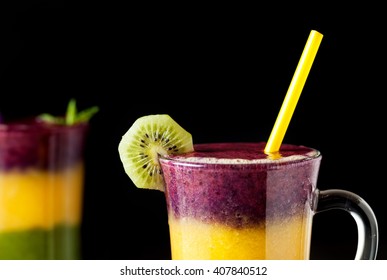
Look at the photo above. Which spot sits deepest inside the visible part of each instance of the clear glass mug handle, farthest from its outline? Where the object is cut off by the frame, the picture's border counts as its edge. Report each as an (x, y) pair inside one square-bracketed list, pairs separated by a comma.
[(367, 226)]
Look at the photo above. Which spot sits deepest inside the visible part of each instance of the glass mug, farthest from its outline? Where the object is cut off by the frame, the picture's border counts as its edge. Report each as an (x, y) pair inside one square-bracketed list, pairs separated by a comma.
[(250, 205), (41, 189)]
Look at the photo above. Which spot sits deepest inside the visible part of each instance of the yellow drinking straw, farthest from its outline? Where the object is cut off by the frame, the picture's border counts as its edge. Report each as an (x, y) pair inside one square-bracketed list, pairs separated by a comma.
[(294, 92)]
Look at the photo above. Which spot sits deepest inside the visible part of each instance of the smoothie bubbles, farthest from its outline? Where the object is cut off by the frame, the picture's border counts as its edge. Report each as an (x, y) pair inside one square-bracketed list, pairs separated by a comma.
[(240, 200), (41, 186)]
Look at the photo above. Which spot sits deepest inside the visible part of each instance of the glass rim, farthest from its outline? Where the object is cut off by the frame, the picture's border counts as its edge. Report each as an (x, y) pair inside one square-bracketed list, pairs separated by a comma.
[(272, 159), (21, 127)]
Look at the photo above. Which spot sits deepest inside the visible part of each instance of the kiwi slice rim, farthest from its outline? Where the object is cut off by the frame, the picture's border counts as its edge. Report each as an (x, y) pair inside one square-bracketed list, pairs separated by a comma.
[(148, 138)]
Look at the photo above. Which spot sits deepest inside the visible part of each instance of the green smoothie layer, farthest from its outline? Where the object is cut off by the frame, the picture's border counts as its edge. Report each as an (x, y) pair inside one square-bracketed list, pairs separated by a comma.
[(62, 242)]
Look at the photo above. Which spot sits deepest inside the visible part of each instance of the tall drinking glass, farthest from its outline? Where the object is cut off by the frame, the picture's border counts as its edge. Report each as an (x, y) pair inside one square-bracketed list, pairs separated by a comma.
[(41, 189)]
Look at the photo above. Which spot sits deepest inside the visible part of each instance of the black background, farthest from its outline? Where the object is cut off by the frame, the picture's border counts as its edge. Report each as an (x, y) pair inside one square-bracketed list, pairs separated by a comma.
[(222, 74)]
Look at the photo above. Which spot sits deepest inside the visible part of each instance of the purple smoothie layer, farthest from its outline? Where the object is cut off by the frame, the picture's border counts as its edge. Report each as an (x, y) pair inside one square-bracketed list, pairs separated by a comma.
[(240, 194), (31, 143)]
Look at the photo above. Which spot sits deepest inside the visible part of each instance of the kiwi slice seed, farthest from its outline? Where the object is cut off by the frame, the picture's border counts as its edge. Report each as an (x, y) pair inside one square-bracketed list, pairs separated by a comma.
[(148, 138)]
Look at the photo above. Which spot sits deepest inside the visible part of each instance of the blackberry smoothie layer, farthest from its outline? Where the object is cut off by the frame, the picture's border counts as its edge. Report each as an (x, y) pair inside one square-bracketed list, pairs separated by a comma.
[(250, 186), (232, 201), (31, 143)]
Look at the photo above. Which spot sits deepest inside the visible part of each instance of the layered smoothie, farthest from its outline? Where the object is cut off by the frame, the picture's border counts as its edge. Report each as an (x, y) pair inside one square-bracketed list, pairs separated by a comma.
[(232, 201), (41, 190)]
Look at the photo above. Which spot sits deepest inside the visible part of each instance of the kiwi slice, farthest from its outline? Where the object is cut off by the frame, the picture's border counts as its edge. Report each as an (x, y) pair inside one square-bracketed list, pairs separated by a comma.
[(148, 138)]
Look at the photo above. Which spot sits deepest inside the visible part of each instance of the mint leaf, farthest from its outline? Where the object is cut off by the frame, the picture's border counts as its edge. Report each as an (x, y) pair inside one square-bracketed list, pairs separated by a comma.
[(72, 116), (71, 112), (86, 114), (51, 119)]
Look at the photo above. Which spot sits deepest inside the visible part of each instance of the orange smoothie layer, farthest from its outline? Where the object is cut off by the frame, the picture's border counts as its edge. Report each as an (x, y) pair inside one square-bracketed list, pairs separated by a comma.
[(193, 240), (32, 198)]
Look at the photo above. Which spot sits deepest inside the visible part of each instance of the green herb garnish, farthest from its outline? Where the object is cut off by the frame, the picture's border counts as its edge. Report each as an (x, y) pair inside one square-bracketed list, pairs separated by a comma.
[(72, 115)]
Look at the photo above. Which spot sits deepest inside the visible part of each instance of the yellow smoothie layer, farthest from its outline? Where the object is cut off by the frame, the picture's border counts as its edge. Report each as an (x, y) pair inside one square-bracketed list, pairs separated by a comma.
[(40, 199), (192, 240)]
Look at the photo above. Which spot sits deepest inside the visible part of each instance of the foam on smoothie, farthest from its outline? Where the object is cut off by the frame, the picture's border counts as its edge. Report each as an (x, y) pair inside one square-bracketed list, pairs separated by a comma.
[(245, 153), (212, 160)]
